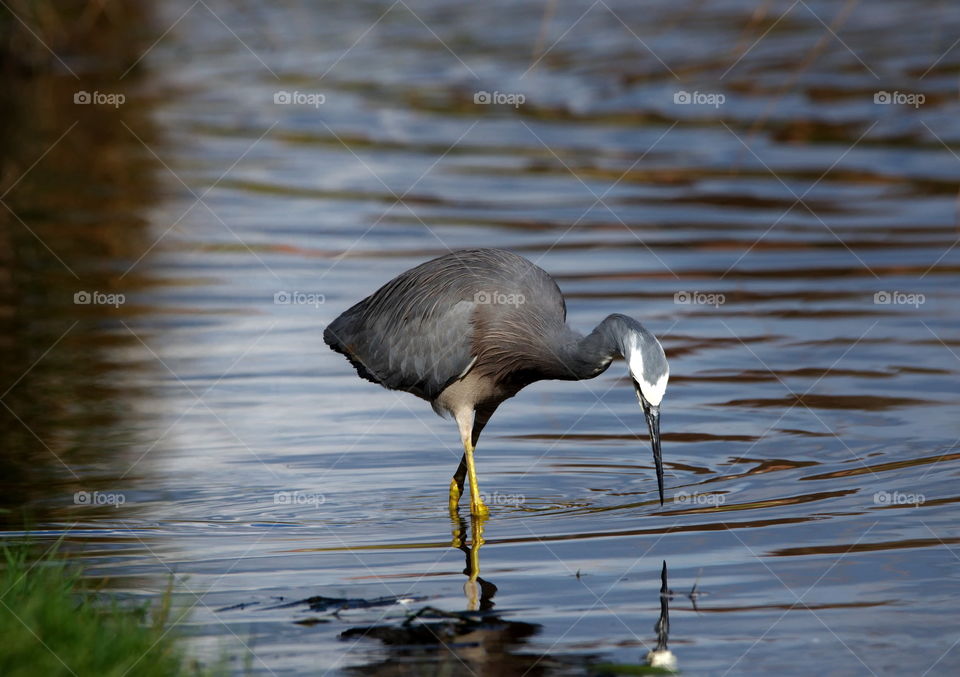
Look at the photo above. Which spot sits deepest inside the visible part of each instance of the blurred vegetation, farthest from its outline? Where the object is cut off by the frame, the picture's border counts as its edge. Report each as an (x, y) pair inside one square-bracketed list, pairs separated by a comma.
[(75, 181), (43, 36), (52, 625)]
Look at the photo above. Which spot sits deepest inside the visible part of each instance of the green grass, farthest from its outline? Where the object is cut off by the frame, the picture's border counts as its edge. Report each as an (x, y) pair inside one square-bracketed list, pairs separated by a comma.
[(51, 625)]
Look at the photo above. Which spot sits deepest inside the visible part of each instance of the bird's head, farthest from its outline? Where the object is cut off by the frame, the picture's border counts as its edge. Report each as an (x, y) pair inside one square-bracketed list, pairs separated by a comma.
[(650, 372)]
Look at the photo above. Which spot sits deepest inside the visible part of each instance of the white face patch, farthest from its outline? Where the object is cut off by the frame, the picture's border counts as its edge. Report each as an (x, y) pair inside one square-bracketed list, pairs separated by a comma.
[(652, 392)]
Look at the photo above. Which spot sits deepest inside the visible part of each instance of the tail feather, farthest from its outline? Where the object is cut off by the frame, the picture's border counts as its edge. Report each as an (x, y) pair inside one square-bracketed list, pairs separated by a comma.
[(338, 335)]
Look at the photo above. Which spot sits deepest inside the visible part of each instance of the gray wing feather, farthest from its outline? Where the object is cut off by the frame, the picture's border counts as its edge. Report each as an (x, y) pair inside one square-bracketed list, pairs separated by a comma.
[(416, 333), (413, 334)]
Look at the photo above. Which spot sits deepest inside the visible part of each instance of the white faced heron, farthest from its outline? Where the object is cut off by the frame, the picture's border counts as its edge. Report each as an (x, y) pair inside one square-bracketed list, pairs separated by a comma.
[(468, 330)]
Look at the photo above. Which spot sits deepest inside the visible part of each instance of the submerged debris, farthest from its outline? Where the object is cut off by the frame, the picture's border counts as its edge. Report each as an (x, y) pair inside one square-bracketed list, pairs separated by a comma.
[(233, 607), (432, 626), (320, 603)]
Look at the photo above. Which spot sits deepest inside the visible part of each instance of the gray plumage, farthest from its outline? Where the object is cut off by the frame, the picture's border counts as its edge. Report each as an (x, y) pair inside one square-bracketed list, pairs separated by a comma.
[(469, 329), (421, 330)]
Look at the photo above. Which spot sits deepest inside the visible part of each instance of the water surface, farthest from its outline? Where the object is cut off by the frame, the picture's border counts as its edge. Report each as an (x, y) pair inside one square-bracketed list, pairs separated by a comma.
[(793, 247)]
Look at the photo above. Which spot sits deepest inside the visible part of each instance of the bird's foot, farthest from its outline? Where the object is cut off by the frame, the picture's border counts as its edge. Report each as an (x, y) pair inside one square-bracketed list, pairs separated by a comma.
[(478, 508), (454, 496)]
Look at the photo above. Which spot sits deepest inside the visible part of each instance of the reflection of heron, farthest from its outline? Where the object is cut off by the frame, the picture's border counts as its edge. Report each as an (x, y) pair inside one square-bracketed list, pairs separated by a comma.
[(479, 592), (477, 640), (470, 329)]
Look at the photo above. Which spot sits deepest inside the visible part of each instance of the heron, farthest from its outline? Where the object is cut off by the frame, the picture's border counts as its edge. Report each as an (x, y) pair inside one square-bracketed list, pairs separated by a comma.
[(470, 329)]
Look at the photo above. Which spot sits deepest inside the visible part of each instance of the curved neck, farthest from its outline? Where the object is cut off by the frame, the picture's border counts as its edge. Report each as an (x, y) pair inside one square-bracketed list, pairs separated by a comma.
[(582, 357)]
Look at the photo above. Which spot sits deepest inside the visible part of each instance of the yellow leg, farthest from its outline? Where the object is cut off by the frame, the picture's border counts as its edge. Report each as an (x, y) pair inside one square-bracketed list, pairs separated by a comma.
[(454, 495), (477, 507), (465, 418), (456, 486)]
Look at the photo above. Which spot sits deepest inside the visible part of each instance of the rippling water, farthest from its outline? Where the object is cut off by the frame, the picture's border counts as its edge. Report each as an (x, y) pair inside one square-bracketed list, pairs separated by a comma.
[(793, 246)]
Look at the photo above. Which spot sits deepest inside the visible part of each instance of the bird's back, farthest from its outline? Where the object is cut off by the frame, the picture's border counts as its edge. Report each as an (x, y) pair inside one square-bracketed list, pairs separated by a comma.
[(478, 309)]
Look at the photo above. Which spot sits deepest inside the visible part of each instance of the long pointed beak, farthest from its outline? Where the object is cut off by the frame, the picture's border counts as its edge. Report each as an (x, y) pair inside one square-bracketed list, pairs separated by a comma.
[(653, 422)]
